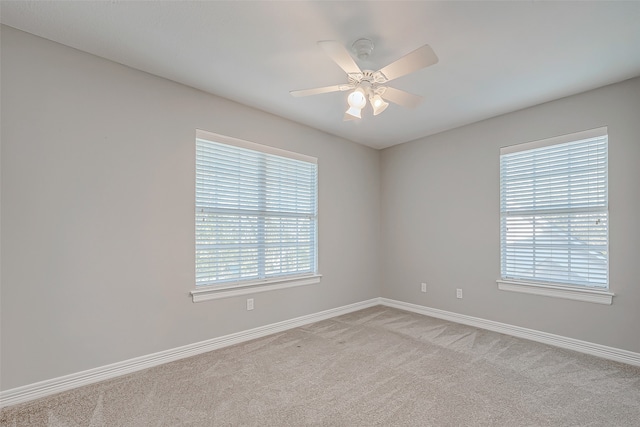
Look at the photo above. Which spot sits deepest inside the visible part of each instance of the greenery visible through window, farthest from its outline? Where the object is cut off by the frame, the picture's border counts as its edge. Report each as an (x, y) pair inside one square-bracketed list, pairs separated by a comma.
[(256, 212), (554, 211)]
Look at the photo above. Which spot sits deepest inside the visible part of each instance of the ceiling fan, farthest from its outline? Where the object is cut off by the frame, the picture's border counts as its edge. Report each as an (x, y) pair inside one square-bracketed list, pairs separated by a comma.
[(372, 84)]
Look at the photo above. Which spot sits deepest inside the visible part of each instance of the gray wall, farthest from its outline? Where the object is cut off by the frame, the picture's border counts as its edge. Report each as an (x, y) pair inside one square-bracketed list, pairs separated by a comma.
[(97, 165), (440, 216), (98, 213)]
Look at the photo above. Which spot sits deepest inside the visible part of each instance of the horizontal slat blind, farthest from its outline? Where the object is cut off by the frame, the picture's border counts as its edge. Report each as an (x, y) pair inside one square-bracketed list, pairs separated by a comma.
[(256, 214), (554, 213)]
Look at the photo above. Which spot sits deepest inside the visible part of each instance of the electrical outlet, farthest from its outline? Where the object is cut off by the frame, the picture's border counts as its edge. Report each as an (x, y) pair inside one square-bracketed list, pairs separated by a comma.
[(459, 293), (249, 303), (423, 287)]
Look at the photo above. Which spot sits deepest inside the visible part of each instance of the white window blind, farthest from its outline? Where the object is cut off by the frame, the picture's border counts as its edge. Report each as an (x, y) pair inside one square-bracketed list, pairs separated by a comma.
[(554, 210), (256, 211)]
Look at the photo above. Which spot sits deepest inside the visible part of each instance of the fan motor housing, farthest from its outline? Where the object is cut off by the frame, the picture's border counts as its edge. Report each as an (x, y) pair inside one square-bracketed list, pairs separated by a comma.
[(373, 77), (369, 80)]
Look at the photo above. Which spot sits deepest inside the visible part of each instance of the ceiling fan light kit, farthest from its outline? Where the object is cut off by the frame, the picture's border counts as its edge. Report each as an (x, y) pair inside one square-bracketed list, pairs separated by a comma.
[(357, 102), (372, 84), (378, 104)]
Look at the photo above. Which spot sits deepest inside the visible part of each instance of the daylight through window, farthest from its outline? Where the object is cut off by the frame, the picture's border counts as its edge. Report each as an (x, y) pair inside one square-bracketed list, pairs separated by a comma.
[(256, 212), (554, 210)]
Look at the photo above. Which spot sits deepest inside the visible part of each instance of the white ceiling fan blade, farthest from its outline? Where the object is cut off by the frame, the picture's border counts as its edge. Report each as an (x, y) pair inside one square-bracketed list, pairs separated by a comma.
[(420, 58), (340, 55), (401, 97), (319, 90)]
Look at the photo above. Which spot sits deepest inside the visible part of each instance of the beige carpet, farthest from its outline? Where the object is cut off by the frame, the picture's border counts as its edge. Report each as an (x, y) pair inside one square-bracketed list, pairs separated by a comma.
[(375, 367)]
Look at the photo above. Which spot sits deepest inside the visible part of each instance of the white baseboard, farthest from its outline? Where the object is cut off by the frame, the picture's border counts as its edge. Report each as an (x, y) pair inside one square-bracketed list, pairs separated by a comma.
[(611, 353), (68, 382), (56, 385)]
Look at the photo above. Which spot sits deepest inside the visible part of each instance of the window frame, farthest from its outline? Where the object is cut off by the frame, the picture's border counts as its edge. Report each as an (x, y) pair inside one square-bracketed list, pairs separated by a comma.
[(227, 289), (595, 294)]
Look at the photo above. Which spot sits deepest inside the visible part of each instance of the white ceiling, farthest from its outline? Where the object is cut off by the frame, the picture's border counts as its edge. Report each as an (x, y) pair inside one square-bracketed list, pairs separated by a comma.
[(495, 57)]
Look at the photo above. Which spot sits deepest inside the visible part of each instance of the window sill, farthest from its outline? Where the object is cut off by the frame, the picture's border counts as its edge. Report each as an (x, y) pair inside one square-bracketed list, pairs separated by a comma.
[(205, 293), (558, 291)]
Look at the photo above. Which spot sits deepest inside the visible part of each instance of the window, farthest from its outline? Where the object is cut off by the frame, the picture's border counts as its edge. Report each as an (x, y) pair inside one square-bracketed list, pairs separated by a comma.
[(554, 217), (256, 217)]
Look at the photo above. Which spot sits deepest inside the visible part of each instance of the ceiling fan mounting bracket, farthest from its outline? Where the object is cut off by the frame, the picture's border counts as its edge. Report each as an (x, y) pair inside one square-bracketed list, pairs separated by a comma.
[(363, 48)]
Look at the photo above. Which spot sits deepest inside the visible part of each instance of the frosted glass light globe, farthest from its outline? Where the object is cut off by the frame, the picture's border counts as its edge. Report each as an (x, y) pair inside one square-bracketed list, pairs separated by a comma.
[(357, 99)]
